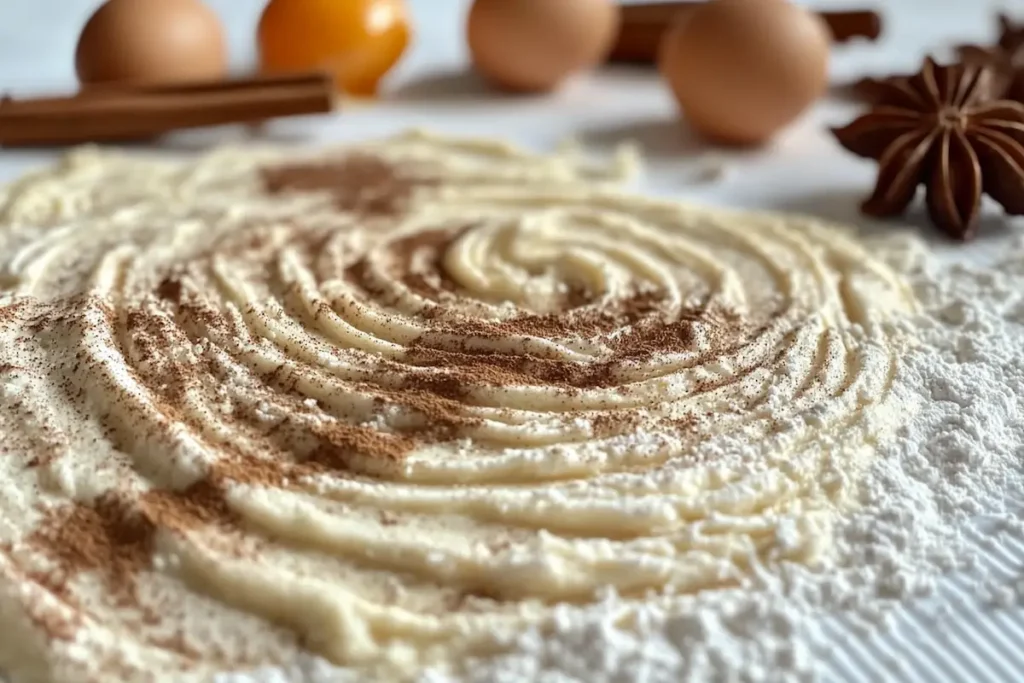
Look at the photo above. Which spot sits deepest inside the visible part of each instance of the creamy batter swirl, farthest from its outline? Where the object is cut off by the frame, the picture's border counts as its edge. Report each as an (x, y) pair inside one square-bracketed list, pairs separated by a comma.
[(388, 402)]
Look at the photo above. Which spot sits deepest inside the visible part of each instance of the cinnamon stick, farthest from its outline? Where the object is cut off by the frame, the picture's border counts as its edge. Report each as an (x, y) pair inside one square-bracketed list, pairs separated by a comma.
[(132, 112), (641, 28)]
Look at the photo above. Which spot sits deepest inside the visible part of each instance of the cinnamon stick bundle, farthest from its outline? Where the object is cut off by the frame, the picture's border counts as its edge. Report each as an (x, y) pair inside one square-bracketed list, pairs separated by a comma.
[(121, 113), (642, 26)]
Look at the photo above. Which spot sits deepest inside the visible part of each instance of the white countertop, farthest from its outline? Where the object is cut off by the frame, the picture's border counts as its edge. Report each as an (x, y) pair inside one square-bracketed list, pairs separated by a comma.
[(804, 170)]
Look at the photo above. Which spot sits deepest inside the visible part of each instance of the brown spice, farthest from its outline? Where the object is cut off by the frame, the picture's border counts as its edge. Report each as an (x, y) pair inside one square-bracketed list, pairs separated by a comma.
[(428, 246), (443, 384), (170, 289), (108, 537), (113, 536), (573, 323), (635, 331), (496, 369), (360, 183), (947, 137), (341, 443), (12, 311)]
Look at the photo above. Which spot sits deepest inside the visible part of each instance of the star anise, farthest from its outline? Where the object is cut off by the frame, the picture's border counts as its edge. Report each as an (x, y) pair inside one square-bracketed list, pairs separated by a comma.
[(1005, 59), (873, 90), (1011, 33), (939, 128)]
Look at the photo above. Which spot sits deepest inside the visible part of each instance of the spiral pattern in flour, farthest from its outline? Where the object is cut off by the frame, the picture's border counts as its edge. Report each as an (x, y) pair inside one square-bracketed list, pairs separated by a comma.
[(383, 402)]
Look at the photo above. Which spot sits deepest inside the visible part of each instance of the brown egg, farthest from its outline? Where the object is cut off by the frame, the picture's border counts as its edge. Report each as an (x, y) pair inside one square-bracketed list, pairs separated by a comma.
[(743, 69), (533, 45), (151, 41)]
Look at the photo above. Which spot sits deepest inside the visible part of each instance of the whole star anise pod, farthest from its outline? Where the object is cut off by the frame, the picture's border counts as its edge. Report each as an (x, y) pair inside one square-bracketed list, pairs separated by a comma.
[(940, 129), (1005, 59), (872, 90)]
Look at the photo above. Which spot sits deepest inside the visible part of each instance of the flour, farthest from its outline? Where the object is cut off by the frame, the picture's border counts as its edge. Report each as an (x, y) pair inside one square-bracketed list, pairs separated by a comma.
[(745, 588), (958, 465), (633, 441), (949, 487), (952, 484)]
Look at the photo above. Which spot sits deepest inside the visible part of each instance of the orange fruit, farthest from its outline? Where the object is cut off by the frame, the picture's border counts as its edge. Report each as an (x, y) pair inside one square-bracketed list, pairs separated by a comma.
[(359, 41)]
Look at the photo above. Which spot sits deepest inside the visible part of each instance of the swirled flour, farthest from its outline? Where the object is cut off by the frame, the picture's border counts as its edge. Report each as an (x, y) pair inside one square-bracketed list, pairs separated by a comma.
[(408, 406), (949, 488)]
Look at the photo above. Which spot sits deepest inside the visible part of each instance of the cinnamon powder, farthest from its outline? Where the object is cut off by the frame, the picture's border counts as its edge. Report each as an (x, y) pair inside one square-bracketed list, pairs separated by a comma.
[(360, 183)]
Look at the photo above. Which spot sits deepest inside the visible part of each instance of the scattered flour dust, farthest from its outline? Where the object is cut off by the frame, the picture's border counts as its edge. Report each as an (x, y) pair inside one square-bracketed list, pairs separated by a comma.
[(960, 460)]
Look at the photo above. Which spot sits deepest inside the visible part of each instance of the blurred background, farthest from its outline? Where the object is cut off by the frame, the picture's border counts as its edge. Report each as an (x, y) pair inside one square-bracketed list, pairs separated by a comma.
[(37, 37), (432, 86)]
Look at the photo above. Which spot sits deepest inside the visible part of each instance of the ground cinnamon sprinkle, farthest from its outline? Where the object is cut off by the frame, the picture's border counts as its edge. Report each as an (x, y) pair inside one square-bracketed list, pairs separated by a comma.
[(14, 310), (108, 537), (113, 539), (170, 289), (361, 183), (640, 339), (427, 248), (113, 536), (340, 443)]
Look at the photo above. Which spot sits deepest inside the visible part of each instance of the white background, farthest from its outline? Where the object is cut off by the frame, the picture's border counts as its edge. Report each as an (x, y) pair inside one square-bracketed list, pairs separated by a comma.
[(803, 170)]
